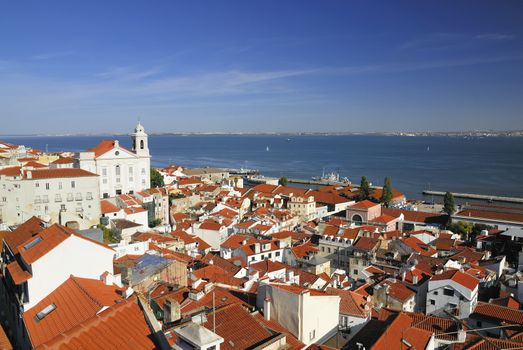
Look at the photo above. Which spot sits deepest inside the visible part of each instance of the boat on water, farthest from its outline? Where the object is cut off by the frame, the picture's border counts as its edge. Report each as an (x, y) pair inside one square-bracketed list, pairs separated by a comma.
[(331, 177), (267, 149)]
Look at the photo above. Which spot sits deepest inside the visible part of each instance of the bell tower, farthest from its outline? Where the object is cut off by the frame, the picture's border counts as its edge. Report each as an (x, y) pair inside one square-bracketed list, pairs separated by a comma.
[(140, 141)]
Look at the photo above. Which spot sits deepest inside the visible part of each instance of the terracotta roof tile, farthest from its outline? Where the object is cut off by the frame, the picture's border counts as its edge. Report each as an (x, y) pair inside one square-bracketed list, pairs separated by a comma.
[(237, 327), (457, 276), (122, 327), (76, 301), (501, 313)]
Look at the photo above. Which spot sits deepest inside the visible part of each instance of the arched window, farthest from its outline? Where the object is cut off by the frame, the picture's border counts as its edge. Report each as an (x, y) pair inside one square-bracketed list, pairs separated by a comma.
[(357, 218), (141, 144), (117, 170)]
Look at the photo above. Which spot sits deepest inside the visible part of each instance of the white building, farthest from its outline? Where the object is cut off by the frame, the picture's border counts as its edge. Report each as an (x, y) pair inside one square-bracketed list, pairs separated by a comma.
[(311, 316), (452, 291), (121, 171), (49, 258), (65, 196)]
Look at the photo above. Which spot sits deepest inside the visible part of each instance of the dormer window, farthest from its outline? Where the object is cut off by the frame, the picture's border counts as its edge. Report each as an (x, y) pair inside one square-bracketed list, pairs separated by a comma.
[(45, 311)]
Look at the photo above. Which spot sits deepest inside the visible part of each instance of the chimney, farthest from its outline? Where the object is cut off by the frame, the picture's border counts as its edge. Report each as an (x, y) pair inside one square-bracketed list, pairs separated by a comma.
[(415, 279), (403, 275), (108, 279), (267, 308), (128, 292), (116, 143), (171, 311)]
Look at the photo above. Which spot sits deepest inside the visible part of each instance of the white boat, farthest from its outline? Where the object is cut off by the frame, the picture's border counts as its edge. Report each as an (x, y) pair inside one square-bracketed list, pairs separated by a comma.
[(268, 149)]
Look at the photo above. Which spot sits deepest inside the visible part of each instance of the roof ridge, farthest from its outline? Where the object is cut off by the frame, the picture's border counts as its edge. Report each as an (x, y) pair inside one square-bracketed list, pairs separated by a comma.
[(85, 292)]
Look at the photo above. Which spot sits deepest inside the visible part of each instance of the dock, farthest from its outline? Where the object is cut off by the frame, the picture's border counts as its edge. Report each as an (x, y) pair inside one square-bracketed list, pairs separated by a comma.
[(477, 196), (318, 182)]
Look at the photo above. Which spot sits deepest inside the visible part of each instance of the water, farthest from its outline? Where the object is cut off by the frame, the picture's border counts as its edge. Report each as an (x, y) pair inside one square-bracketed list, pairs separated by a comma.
[(492, 166)]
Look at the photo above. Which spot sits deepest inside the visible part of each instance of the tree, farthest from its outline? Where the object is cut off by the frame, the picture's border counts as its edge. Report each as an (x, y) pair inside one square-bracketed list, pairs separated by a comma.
[(464, 229), (364, 188), (283, 181), (386, 195), (449, 206), (156, 179), (111, 235)]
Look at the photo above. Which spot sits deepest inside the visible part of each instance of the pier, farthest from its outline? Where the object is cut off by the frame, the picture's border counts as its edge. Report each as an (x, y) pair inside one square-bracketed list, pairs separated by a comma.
[(318, 182), (477, 196)]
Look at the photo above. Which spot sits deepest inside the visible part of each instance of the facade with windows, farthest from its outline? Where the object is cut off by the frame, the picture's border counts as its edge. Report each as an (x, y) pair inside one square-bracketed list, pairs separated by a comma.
[(121, 171), (65, 196), (452, 291)]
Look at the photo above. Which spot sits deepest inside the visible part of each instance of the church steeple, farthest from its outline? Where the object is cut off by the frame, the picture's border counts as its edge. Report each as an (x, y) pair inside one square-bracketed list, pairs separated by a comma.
[(140, 141)]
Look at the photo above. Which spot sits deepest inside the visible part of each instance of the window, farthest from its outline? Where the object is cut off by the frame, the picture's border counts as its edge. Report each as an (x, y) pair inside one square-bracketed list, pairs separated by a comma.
[(70, 197), (323, 249), (312, 334), (117, 170), (104, 181), (355, 272), (432, 302), (32, 243), (89, 195), (104, 171), (47, 185), (328, 250), (270, 255), (57, 198), (141, 144), (62, 207), (435, 292), (60, 185), (143, 171), (448, 292), (73, 184), (36, 184), (78, 196), (45, 199), (45, 311), (277, 254)]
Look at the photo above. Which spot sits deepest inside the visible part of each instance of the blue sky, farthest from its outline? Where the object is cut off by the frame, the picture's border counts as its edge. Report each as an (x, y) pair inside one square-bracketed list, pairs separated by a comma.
[(96, 66)]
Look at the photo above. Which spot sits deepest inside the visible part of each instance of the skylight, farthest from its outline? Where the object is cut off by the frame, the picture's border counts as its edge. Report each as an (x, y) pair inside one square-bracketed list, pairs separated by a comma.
[(45, 311), (32, 243)]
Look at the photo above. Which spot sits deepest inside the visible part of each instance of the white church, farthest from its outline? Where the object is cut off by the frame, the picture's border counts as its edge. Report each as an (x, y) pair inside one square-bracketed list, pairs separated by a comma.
[(120, 170)]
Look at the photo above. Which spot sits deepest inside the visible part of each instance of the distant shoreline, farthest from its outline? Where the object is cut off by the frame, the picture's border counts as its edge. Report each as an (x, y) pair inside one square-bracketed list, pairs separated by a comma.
[(472, 134)]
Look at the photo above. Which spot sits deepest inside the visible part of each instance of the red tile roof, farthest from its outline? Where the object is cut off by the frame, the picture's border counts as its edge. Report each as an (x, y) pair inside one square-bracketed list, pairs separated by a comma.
[(58, 173), (76, 300), (235, 241), (45, 241), (22, 233), (237, 327), (498, 312), (63, 160), (457, 276), (210, 225), (222, 297), (108, 207), (303, 250), (122, 327), (366, 243), (17, 273), (365, 204), (351, 303)]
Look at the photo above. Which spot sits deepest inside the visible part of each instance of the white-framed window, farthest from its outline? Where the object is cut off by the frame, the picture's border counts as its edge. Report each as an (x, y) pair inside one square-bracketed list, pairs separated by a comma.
[(47, 186), (104, 171), (117, 170), (73, 184)]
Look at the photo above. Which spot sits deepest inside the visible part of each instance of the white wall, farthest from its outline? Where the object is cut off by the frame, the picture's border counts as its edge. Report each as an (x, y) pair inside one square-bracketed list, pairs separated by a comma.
[(74, 256)]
